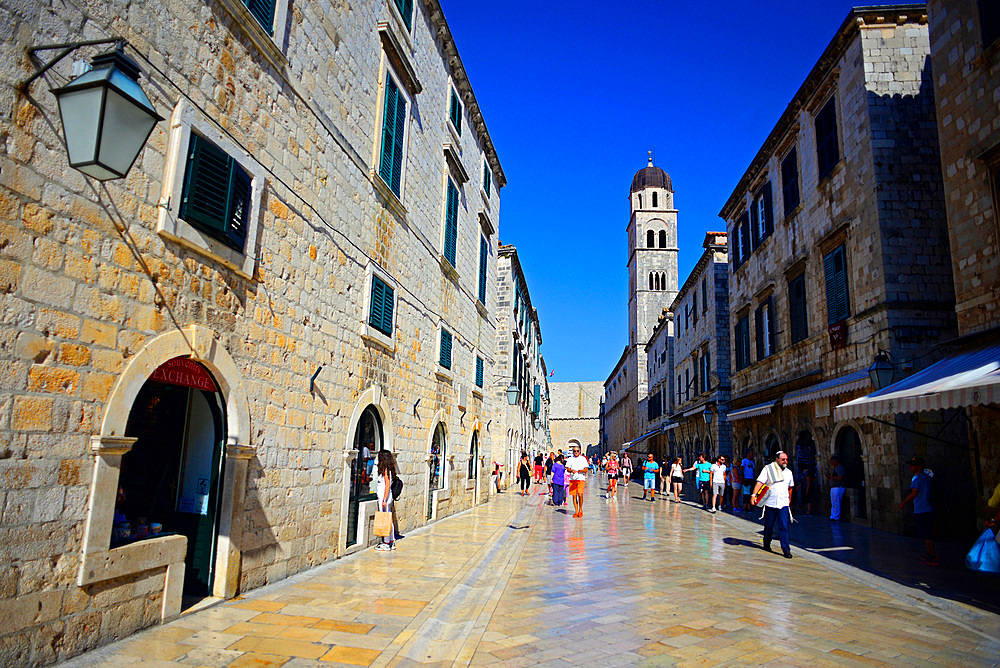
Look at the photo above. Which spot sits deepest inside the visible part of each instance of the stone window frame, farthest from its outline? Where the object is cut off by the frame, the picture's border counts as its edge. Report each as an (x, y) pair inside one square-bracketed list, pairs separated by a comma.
[(444, 373), (388, 70), (369, 333), (184, 120), (99, 562), (272, 47)]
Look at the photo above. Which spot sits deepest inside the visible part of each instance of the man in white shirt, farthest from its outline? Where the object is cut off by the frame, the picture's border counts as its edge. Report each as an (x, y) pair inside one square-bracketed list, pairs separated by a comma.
[(576, 467), (780, 482), (718, 483)]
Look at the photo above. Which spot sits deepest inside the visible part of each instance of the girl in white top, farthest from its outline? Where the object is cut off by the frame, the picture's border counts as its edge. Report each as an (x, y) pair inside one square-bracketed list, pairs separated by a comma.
[(677, 478), (383, 494)]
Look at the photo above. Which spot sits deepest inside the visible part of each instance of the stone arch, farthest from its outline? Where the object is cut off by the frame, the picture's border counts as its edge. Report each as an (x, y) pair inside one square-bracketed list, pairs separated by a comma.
[(663, 238), (98, 560), (771, 434), (650, 236), (373, 396)]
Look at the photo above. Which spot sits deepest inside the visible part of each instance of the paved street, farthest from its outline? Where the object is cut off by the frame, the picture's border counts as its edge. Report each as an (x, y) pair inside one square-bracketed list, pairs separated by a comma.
[(516, 582)]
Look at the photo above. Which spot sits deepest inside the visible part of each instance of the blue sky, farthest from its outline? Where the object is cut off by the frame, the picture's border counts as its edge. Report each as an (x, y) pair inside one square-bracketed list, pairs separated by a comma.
[(574, 97)]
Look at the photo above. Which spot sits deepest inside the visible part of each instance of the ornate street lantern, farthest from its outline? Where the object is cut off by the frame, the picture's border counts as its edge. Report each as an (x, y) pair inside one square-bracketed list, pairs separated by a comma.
[(106, 116), (513, 394), (881, 371), (707, 414)]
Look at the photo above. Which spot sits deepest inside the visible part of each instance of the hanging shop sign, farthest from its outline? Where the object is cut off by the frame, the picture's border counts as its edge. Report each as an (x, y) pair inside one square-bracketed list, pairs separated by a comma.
[(186, 373)]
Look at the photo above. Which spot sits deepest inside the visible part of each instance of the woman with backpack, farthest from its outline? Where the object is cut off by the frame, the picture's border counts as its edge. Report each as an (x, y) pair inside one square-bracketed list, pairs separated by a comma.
[(383, 493)]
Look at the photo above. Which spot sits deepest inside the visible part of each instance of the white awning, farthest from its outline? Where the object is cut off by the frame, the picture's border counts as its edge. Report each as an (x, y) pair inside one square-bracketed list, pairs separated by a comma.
[(629, 444), (751, 411), (697, 410), (969, 378), (669, 426), (852, 381)]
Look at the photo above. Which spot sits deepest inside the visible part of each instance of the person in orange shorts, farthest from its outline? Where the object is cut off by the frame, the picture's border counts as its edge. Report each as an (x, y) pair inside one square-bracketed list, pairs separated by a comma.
[(577, 467)]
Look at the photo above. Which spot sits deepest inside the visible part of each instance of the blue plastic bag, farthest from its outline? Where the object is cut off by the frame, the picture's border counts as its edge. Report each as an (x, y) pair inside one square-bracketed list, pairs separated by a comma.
[(985, 554)]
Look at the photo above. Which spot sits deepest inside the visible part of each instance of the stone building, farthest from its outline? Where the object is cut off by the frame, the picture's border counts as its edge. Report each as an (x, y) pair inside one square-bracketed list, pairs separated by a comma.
[(652, 284), (575, 413), (523, 426), (964, 387), (700, 371), (839, 251), (659, 403), (297, 272)]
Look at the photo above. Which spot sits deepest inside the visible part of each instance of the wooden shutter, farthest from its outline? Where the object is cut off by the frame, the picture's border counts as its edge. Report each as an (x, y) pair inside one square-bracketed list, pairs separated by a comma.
[(827, 150), (758, 326), (445, 349), (755, 223), (451, 223), (790, 181), (744, 237), (479, 371), (393, 129), (216, 195), (537, 405), (483, 259), (380, 316), (772, 345), (768, 209), (487, 177), (263, 11), (837, 303), (405, 8), (797, 308), (456, 112)]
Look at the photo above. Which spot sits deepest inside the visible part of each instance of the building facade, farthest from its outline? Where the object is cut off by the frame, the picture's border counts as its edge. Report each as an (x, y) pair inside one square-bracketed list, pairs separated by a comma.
[(524, 425), (701, 372), (575, 413), (297, 273), (660, 404), (652, 269), (839, 252)]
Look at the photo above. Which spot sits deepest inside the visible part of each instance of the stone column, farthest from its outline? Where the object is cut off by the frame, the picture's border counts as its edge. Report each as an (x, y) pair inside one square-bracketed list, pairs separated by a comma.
[(108, 451), (234, 482)]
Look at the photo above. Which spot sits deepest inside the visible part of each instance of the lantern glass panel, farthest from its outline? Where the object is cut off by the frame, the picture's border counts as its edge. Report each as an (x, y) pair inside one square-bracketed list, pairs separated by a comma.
[(81, 113), (126, 127)]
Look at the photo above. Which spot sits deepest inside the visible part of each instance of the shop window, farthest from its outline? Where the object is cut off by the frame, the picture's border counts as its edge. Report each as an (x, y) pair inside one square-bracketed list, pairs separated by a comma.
[(368, 442), (439, 458), (474, 456)]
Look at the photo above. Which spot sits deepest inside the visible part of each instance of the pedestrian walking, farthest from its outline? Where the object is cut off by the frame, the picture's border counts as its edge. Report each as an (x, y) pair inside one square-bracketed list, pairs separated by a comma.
[(780, 482), (612, 469), (677, 478), (649, 469), (386, 473), (665, 478), (703, 478), (539, 469), (718, 471), (836, 476), (737, 484), (524, 474), (747, 467), (559, 481), (549, 463), (923, 511), (626, 468), (577, 466)]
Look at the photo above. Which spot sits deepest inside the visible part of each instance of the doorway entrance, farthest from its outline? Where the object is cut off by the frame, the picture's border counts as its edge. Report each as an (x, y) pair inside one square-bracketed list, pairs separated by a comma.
[(848, 448), (368, 441), (439, 445), (170, 479)]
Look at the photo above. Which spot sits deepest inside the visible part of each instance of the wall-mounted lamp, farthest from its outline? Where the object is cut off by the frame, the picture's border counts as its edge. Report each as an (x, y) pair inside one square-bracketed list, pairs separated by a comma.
[(707, 414), (881, 371), (513, 394)]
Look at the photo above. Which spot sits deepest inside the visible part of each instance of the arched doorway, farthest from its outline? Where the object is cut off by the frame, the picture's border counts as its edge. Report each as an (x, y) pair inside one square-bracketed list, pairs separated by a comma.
[(438, 464), (170, 479), (369, 439), (474, 457), (771, 447), (849, 450)]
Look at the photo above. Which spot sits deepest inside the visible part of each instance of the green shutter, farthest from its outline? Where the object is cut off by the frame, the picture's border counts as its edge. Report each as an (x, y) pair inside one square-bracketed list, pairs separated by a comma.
[(263, 11), (537, 405), (445, 349), (405, 8), (768, 209), (837, 303), (216, 195), (380, 316), (487, 178), (797, 308), (451, 223), (393, 129), (456, 112), (483, 259), (479, 371)]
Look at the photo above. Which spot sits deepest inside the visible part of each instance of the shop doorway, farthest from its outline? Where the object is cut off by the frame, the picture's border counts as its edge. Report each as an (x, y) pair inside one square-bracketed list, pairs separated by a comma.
[(368, 441), (848, 448), (170, 479), (439, 446)]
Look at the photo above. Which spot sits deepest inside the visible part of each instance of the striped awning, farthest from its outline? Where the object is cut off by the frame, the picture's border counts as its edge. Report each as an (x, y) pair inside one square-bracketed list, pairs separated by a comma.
[(848, 383), (969, 378), (669, 426), (751, 411), (629, 444)]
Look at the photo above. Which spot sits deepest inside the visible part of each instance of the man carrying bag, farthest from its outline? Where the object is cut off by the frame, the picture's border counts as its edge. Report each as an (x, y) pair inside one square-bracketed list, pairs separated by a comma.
[(773, 490)]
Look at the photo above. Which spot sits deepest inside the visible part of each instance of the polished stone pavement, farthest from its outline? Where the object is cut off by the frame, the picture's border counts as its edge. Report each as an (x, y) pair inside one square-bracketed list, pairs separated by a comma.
[(516, 582)]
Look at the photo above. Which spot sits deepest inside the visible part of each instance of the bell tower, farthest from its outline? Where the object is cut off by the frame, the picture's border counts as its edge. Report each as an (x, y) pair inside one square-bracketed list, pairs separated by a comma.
[(652, 265)]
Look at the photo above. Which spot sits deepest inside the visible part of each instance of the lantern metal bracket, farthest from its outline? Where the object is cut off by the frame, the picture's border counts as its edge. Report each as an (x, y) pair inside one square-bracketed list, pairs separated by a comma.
[(66, 49)]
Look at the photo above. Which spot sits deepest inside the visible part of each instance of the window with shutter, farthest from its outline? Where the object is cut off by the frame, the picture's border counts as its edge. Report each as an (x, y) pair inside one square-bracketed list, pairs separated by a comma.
[(451, 223), (405, 8), (827, 149), (742, 341), (767, 211), (797, 308), (380, 315), (487, 178), (216, 194), (694, 306), (756, 224), (989, 21), (790, 181), (445, 359), (704, 295), (744, 237), (536, 406), (708, 369), (393, 130), (484, 253), (837, 302), (479, 371), (455, 113)]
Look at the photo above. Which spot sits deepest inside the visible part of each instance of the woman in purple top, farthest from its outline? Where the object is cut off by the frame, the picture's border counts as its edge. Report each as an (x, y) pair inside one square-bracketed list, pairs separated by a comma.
[(559, 482)]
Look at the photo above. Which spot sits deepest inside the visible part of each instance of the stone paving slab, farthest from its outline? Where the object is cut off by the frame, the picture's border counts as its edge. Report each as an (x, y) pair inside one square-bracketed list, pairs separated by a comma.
[(517, 582)]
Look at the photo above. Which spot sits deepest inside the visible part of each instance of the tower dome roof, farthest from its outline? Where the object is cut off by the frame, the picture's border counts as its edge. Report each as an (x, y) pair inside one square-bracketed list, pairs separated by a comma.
[(651, 177)]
